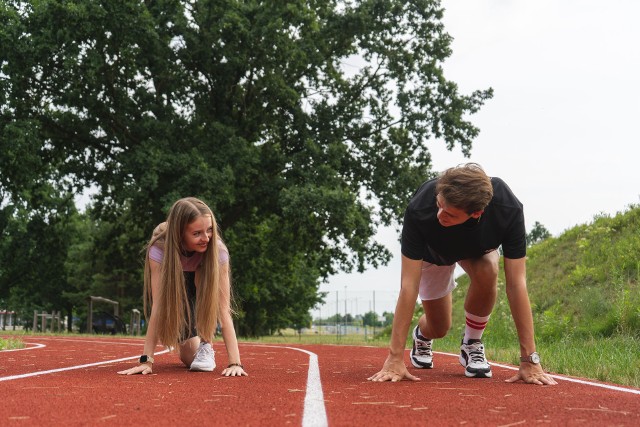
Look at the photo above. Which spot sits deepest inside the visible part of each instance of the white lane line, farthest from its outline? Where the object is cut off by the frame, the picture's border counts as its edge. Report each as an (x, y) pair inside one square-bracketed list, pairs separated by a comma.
[(314, 413), (560, 377), (35, 346), (112, 342), (71, 368)]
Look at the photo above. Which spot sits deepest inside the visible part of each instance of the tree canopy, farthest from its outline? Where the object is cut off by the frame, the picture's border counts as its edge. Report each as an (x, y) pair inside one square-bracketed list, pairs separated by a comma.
[(537, 234), (303, 124)]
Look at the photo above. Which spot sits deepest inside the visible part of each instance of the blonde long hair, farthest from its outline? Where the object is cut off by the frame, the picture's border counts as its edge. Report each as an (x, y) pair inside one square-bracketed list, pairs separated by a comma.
[(174, 315)]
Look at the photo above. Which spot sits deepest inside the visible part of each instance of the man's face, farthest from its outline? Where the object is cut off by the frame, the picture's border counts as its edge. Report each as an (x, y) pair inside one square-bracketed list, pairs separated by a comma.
[(449, 215)]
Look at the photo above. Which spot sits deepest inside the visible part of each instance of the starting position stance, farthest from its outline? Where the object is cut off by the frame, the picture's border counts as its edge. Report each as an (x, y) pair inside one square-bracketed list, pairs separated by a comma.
[(187, 284), (461, 217)]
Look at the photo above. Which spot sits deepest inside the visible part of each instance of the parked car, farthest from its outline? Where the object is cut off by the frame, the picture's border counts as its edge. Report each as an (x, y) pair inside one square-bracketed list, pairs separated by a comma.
[(106, 323)]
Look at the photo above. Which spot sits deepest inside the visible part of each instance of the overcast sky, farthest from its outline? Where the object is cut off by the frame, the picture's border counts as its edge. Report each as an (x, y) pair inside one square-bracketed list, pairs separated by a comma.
[(561, 129)]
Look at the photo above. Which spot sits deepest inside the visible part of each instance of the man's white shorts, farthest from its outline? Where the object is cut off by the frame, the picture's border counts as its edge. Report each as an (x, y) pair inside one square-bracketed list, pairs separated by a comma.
[(436, 281)]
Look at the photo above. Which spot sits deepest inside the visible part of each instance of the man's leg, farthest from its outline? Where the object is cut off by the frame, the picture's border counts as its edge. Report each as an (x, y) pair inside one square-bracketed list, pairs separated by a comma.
[(436, 320), (481, 297), (436, 284), (483, 272)]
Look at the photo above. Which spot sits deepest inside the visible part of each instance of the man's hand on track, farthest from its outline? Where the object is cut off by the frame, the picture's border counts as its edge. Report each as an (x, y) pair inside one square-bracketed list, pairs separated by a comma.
[(394, 371), (532, 374)]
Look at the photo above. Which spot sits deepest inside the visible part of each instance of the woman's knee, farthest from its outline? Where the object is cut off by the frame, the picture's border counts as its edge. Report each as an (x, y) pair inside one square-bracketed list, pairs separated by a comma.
[(188, 350)]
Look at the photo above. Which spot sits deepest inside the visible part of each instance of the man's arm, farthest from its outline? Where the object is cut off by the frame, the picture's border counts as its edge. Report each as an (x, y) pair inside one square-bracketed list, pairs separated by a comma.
[(394, 368), (515, 275)]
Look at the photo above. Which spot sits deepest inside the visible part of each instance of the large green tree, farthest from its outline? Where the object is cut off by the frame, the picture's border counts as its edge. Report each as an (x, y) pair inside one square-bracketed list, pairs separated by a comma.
[(304, 124), (33, 252)]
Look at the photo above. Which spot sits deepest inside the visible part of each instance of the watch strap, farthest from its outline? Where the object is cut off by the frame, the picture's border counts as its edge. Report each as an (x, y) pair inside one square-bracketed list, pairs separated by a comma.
[(532, 358), (146, 359)]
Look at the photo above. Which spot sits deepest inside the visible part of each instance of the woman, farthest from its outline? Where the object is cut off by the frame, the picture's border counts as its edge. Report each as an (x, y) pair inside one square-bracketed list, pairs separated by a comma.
[(187, 283)]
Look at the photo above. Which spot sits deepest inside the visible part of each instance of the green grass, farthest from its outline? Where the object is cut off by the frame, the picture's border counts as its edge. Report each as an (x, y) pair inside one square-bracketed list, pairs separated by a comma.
[(613, 359), (291, 338), (10, 343)]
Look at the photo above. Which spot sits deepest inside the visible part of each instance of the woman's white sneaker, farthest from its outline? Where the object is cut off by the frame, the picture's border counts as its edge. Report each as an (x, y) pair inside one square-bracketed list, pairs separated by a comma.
[(204, 359)]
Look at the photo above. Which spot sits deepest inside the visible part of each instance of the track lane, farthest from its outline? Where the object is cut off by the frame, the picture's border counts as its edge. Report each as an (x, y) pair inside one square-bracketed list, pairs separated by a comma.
[(274, 393), (444, 396)]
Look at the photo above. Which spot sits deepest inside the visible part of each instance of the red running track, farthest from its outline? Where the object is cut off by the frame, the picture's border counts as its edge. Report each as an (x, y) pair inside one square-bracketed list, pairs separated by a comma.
[(73, 382)]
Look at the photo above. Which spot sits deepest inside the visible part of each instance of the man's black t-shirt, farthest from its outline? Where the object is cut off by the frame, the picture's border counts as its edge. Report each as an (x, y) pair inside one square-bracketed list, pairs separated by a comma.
[(502, 223)]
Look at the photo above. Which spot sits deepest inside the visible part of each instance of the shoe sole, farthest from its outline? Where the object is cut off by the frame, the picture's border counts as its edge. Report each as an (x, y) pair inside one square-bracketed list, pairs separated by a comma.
[(479, 373), (201, 369), (421, 365)]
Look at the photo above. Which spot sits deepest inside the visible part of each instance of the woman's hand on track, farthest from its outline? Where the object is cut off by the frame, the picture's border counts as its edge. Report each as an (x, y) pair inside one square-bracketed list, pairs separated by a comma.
[(143, 368), (234, 371)]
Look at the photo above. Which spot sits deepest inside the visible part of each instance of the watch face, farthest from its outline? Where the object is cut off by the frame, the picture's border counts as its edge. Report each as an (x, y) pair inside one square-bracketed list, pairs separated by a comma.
[(535, 358), (144, 359)]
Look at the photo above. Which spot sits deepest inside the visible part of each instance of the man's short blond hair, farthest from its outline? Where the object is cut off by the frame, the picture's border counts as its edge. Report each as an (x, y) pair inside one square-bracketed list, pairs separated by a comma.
[(466, 187)]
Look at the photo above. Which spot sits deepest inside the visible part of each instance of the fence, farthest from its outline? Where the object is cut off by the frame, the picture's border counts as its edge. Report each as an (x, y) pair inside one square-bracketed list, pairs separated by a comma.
[(55, 317), (11, 321), (91, 299), (135, 322)]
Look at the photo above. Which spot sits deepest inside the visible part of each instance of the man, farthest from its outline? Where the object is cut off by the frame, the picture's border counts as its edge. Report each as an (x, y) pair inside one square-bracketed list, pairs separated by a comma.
[(461, 217)]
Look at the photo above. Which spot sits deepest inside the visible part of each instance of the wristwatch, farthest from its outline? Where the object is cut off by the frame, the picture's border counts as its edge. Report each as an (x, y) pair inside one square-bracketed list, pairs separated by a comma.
[(532, 358), (146, 359)]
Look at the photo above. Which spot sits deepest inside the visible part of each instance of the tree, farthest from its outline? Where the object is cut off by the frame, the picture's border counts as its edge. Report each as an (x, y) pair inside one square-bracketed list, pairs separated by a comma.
[(256, 107), (33, 253), (537, 234), (388, 318), (370, 318)]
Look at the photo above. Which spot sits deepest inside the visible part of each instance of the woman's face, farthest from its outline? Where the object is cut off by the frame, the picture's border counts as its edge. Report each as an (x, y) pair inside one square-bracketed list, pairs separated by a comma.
[(197, 234)]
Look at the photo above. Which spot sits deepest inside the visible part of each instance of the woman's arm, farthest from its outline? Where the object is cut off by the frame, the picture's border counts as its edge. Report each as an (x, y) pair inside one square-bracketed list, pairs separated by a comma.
[(235, 367), (150, 339)]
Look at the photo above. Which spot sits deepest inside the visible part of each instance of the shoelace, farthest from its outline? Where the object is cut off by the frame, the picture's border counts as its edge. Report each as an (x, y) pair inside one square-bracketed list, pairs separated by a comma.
[(477, 354), (204, 352), (423, 348)]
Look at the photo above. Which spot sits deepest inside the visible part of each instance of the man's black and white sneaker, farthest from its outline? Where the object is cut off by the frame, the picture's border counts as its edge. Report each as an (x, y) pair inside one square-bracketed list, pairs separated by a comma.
[(421, 354), (473, 359)]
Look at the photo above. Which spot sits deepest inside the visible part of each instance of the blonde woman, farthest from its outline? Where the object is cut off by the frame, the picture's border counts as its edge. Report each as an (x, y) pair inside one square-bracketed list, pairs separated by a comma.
[(187, 284)]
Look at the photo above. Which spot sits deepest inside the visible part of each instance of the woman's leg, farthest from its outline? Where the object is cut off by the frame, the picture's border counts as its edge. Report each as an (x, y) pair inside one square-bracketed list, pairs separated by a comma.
[(188, 350)]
